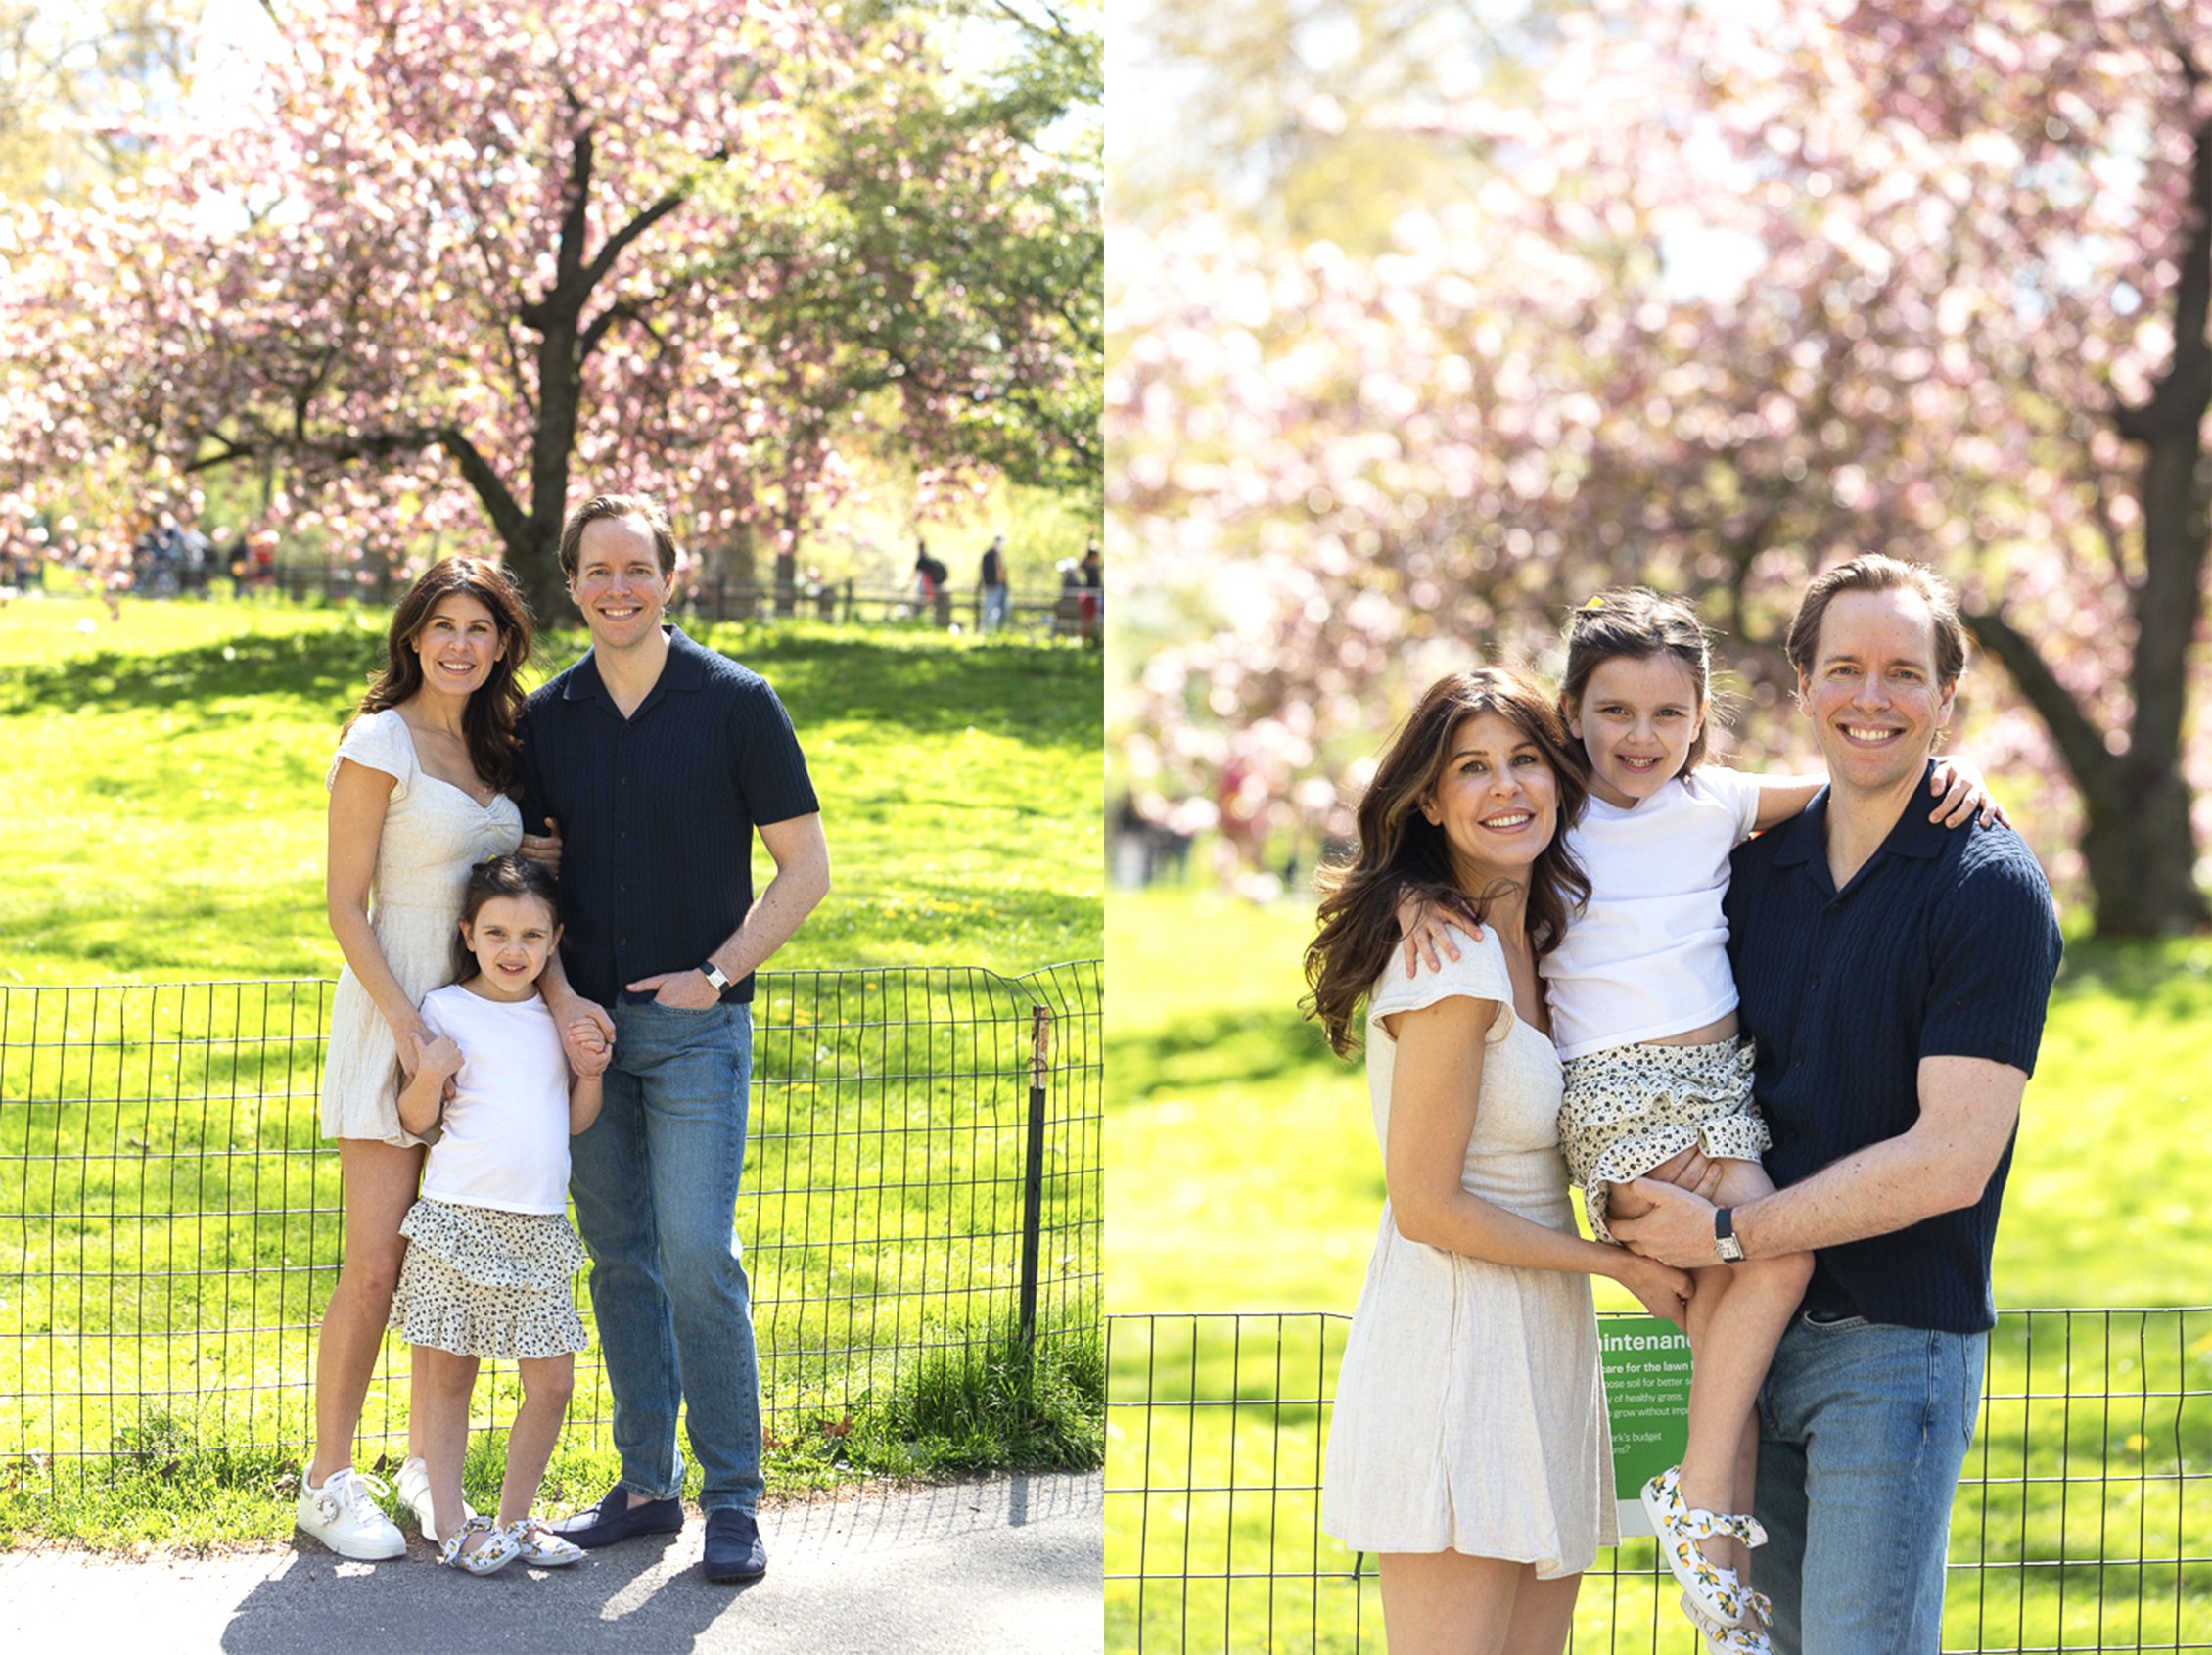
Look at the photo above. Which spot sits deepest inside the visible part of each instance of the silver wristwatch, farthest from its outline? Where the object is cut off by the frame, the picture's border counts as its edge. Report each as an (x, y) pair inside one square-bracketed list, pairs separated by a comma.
[(1725, 1242), (713, 974)]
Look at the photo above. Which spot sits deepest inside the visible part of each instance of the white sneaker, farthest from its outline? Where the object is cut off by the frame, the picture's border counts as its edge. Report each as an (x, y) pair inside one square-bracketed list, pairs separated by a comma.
[(345, 1516), (413, 1483)]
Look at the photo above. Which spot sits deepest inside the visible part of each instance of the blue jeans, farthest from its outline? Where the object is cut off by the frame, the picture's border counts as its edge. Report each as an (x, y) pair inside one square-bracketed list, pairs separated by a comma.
[(1862, 1429), (994, 607), (655, 1181)]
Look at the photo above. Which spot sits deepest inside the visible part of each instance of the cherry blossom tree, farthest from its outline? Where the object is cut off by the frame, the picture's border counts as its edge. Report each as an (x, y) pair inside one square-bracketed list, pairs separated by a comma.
[(1733, 296), (447, 264)]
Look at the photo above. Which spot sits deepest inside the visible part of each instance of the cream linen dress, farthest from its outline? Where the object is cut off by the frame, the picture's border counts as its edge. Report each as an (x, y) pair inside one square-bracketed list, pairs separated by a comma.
[(1470, 1410), (433, 833)]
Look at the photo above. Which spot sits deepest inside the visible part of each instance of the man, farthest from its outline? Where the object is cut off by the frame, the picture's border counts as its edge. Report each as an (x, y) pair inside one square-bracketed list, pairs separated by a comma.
[(991, 577), (1894, 974), (654, 762)]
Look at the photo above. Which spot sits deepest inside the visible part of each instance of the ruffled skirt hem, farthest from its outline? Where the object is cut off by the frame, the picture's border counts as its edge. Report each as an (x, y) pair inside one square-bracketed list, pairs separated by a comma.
[(482, 1282)]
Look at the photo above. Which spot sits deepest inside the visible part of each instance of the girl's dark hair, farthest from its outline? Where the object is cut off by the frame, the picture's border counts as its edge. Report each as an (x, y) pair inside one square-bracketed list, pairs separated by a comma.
[(501, 876), (1637, 622), (488, 721), (1400, 853)]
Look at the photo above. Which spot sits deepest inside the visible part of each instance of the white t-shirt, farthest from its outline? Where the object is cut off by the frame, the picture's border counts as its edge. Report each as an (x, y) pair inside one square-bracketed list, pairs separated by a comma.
[(1650, 955), (506, 1130)]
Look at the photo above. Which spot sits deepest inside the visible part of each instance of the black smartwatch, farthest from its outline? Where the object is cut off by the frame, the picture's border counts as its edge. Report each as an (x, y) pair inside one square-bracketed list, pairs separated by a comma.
[(1725, 1242)]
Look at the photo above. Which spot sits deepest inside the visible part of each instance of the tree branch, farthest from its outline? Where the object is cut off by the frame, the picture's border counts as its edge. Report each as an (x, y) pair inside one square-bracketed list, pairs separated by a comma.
[(612, 249), (2080, 743), (622, 310)]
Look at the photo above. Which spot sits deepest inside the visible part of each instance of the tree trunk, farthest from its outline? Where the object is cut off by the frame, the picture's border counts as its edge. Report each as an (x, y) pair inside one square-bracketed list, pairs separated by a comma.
[(537, 563), (787, 582), (740, 560), (2141, 854), (2137, 846)]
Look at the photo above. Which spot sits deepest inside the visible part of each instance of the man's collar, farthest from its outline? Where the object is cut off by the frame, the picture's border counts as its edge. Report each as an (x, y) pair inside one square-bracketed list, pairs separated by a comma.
[(685, 670), (1804, 836)]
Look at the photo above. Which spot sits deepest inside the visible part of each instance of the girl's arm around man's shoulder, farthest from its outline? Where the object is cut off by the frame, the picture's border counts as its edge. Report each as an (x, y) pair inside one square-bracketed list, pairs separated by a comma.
[(1957, 786)]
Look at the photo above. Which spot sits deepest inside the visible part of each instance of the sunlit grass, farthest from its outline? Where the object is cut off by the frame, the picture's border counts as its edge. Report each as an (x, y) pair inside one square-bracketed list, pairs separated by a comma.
[(164, 788)]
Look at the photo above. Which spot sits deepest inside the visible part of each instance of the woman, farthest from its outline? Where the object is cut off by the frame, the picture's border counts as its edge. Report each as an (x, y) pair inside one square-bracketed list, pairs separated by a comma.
[(417, 797), (1469, 1448)]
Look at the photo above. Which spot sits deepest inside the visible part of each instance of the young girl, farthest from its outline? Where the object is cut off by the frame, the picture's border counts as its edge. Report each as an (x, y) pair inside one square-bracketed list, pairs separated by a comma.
[(1658, 1081), (492, 1253)]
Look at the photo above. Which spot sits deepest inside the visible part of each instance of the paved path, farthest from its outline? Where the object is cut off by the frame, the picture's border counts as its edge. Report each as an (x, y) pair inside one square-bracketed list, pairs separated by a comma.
[(1010, 1564)]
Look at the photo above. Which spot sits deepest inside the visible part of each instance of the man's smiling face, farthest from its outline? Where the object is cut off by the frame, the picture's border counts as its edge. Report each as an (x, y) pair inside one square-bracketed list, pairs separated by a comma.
[(619, 583), (1873, 694)]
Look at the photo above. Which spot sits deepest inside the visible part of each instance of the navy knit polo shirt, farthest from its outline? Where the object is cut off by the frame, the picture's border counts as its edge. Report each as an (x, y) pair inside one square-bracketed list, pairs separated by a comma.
[(1944, 944), (657, 811)]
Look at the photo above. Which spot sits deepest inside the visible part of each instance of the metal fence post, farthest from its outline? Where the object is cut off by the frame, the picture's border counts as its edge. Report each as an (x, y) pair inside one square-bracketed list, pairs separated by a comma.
[(1033, 1171)]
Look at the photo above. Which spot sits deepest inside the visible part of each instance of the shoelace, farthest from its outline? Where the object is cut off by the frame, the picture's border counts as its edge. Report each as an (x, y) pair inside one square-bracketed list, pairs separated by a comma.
[(361, 1491)]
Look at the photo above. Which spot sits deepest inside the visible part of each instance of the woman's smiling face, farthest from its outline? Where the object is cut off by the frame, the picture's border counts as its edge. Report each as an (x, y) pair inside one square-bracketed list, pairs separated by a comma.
[(1497, 800), (457, 644)]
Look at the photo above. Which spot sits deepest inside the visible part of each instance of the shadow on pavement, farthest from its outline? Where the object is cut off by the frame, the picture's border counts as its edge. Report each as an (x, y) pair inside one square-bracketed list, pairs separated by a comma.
[(1014, 1563)]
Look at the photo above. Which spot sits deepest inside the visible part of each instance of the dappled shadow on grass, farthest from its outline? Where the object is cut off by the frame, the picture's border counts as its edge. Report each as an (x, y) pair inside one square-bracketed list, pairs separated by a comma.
[(1011, 927), (1217, 1049), (927, 685), (326, 666), (120, 931), (927, 688)]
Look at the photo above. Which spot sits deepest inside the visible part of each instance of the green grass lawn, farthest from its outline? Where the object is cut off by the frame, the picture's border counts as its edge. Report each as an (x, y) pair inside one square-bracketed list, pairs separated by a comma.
[(165, 787), (1245, 1179), (164, 778)]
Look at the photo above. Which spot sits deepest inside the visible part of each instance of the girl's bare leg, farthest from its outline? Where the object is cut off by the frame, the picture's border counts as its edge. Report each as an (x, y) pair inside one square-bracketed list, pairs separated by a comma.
[(547, 1383), (1746, 1489), (1447, 1603), (1736, 1318), (380, 1186), (445, 1383)]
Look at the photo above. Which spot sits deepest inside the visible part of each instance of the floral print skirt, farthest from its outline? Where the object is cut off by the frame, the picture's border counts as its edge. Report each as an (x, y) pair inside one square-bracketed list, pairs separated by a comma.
[(480, 1281), (1630, 1107)]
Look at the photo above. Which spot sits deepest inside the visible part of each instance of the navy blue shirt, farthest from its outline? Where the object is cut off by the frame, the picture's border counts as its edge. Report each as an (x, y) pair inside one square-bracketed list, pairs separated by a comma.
[(1944, 944), (657, 811)]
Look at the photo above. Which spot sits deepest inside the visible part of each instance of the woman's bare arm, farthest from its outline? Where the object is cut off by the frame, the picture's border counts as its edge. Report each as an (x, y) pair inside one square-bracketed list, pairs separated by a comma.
[(358, 799), (1435, 1095)]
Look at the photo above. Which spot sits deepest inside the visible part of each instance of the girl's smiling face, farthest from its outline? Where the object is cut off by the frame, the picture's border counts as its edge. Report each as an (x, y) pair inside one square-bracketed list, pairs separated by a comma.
[(1637, 720), (511, 938)]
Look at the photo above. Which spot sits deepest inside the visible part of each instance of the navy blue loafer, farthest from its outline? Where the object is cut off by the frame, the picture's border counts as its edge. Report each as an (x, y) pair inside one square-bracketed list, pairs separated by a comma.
[(734, 1550), (615, 1519)]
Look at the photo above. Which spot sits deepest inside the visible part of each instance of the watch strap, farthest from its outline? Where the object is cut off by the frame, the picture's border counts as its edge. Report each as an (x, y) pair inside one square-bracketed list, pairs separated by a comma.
[(713, 974), (1725, 1241)]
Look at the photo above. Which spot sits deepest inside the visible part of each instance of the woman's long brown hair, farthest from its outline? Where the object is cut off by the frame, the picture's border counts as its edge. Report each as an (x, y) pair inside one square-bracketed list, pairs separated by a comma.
[(488, 720), (1400, 853)]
